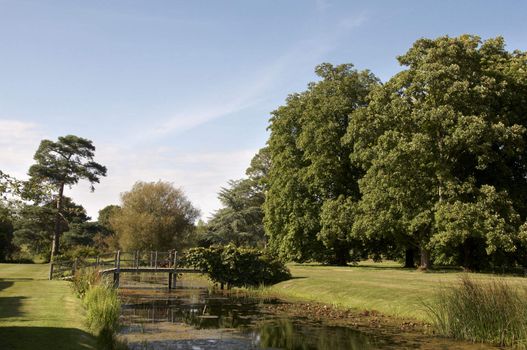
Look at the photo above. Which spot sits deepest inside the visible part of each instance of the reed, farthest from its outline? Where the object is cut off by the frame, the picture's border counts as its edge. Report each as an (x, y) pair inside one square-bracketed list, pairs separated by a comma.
[(103, 309), (491, 311)]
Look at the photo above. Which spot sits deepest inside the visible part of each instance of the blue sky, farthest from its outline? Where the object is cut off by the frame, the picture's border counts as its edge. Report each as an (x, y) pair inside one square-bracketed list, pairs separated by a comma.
[(181, 91)]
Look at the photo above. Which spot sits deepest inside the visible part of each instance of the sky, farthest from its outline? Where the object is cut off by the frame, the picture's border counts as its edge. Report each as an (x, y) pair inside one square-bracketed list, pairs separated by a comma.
[(182, 91)]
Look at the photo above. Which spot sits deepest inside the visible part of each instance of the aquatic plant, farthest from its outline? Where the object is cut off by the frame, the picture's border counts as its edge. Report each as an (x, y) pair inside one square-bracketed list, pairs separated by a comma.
[(491, 311)]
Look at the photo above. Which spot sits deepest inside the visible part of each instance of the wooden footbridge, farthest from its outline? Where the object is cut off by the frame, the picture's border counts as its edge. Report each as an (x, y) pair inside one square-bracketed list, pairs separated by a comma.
[(123, 262)]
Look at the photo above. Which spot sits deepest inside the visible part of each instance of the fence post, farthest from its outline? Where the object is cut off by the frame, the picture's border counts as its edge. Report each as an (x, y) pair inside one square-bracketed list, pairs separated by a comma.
[(74, 269), (51, 270), (117, 270), (155, 261)]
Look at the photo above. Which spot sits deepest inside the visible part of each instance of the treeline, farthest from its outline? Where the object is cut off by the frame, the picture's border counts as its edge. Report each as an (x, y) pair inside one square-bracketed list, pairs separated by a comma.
[(428, 167)]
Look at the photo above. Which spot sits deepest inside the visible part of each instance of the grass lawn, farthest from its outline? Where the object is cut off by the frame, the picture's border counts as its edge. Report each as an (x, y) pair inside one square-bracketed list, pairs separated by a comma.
[(39, 314), (384, 287)]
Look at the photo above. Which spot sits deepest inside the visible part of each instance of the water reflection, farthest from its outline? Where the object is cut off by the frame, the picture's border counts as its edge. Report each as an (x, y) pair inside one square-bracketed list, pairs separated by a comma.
[(286, 334), (250, 317)]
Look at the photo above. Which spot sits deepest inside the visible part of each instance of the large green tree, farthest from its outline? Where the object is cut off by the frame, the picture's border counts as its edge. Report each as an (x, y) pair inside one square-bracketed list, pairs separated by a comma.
[(63, 163), (311, 166), (154, 216), (443, 147)]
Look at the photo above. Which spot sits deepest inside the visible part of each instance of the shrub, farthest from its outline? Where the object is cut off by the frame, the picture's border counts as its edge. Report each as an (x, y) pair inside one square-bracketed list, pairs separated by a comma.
[(237, 266), (492, 311)]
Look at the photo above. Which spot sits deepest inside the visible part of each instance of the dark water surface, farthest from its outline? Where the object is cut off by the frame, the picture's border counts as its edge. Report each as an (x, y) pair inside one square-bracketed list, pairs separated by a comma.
[(192, 317)]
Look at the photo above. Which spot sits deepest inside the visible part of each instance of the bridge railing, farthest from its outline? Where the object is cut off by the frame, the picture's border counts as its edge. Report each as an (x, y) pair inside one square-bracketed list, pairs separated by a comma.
[(66, 269)]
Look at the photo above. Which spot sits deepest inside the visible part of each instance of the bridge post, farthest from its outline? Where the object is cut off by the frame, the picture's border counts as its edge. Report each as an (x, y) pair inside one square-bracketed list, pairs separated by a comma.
[(174, 274), (117, 269)]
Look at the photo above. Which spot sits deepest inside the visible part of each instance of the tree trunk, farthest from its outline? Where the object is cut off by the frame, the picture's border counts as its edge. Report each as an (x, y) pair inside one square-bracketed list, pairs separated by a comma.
[(342, 255), (58, 218), (409, 258), (425, 259)]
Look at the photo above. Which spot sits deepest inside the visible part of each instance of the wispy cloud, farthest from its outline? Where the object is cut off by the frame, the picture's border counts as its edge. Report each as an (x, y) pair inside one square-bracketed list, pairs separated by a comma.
[(18, 143), (251, 90)]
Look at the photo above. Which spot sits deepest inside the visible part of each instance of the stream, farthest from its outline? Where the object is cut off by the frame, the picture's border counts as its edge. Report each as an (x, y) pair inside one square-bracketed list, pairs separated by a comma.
[(196, 318)]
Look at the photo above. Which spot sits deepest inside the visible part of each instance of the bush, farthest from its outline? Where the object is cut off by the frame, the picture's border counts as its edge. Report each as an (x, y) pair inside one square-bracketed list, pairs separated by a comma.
[(493, 312), (103, 309), (237, 266)]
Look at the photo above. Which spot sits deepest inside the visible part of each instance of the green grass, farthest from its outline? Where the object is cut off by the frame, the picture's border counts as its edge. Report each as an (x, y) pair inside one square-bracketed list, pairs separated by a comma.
[(384, 287), (39, 314)]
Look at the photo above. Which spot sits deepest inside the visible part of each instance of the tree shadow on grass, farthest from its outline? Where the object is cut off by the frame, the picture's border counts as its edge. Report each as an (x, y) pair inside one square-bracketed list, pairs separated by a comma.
[(45, 338), (9, 306)]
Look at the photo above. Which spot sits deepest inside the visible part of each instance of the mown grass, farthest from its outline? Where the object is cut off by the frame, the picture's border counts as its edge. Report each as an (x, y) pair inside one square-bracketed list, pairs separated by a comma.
[(384, 287), (492, 311), (39, 314)]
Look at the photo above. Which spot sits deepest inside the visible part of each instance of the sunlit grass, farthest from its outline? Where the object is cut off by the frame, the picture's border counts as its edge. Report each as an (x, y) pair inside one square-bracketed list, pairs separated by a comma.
[(384, 287), (39, 314)]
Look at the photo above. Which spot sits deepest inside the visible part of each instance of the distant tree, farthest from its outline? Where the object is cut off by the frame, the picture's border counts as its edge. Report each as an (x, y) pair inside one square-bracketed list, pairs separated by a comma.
[(62, 163), (106, 239), (310, 165), (443, 147), (7, 247), (240, 221), (35, 224), (154, 216)]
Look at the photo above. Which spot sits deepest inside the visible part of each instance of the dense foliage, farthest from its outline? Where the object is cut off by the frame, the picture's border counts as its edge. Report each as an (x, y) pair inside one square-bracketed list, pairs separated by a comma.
[(236, 266), (432, 161)]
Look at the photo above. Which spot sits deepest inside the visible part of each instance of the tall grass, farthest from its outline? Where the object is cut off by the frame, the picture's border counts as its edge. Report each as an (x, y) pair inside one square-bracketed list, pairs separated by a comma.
[(103, 309), (492, 311), (102, 305), (84, 279)]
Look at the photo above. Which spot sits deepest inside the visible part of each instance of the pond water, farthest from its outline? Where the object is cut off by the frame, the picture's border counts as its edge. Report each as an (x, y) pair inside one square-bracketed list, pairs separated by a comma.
[(193, 317)]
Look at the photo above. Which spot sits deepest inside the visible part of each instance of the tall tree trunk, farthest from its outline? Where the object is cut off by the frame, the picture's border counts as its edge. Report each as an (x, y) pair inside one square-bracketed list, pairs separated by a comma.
[(425, 258), (58, 218), (409, 258)]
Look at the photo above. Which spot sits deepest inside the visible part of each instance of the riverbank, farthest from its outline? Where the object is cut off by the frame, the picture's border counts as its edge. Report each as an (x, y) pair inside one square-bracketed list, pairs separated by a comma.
[(384, 288), (39, 314)]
